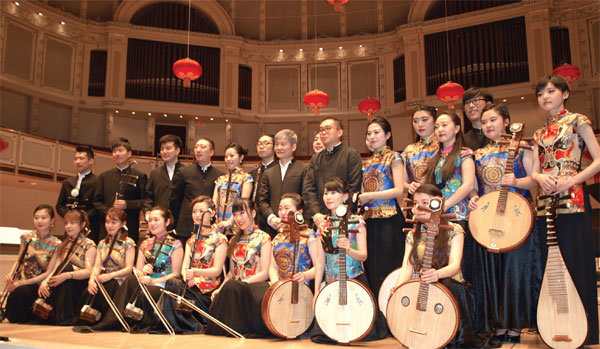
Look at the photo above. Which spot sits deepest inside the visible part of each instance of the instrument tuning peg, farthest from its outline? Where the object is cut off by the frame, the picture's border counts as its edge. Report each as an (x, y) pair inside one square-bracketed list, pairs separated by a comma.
[(565, 205), (407, 230), (544, 197), (411, 221), (568, 196), (502, 142), (406, 208), (448, 215), (408, 200), (505, 135), (540, 208), (446, 227), (528, 147)]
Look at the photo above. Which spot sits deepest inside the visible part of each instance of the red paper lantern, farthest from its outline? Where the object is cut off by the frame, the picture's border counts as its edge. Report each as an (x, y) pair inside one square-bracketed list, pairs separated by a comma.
[(369, 106), (187, 70), (337, 4), (568, 71), (316, 99), (450, 92)]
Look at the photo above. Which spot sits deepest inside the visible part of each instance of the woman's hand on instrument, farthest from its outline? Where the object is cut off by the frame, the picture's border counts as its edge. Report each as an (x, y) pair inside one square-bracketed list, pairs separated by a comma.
[(364, 198), (275, 223), (412, 187), (146, 280), (59, 279), (299, 277), (547, 182), (191, 282), (44, 290), (8, 279), (120, 204), (473, 202), (319, 219), (429, 276), (509, 179), (343, 243), (214, 294), (147, 269), (92, 287), (189, 274), (105, 277), (12, 285), (563, 184)]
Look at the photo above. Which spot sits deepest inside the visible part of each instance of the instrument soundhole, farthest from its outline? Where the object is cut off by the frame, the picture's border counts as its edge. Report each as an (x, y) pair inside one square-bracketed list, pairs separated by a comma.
[(438, 308), (405, 301)]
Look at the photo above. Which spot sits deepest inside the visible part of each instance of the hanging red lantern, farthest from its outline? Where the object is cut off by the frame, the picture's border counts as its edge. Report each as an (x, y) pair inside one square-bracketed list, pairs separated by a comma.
[(187, 70), (316, 99), (337, 4), (568, 71), (450, 92), (369, 106)]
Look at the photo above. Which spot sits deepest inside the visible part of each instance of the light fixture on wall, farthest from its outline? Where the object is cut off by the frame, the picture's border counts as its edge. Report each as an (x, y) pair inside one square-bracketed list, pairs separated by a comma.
[(449, 92), (187, 69)]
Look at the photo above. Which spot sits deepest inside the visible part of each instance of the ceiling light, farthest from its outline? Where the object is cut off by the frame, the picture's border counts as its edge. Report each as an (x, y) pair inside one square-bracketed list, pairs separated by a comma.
[(116, 111), (281, 50), (132, 113), (320, 49), (63, 23), (504, 100), (196, 118), (360, 45), (522, 97), (340, 47), (212, 119), (39, 13), (226, 120), (165, 115), (181, 116), (301, 50), (17, 3)]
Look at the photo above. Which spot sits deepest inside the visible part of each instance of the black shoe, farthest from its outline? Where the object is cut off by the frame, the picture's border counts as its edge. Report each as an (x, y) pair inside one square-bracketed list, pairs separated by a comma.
[(512, 339)]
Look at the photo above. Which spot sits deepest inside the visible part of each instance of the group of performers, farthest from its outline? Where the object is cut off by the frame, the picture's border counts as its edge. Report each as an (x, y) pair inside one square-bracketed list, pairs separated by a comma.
[(227, 261)]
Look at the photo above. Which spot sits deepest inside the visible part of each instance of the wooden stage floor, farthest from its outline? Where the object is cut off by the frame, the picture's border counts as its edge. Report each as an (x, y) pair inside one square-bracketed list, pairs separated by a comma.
[(38, 336)]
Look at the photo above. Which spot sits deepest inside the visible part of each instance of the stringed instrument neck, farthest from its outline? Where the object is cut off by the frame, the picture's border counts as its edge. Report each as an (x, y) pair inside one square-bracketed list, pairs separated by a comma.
[(555, 271), (513, 148), (427, 263), (295, 270)]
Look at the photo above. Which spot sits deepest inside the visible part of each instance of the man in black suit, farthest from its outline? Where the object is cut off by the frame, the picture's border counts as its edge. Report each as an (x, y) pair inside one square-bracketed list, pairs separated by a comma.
[(190, 182), (285, 177), (85, 185), (474, 100), (264, 149), (158, 190), (112, 191)]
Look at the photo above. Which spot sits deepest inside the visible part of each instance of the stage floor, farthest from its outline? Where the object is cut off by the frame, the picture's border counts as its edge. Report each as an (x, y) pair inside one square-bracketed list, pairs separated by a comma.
[(38, 336)]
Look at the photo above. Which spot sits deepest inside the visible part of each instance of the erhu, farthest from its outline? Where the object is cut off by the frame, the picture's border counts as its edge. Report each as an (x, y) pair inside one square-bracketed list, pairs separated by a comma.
[(88, 313), (13, 277), (110, 302), (131, 311), (40, 307), (179, 305)]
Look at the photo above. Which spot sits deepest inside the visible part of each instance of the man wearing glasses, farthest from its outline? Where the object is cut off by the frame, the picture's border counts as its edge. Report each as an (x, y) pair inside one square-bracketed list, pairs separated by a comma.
[(336, 160), (474, 100), (264, 149)]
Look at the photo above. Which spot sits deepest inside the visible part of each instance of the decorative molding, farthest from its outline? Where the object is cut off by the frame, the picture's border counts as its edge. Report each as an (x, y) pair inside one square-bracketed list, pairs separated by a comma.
[(262, 20)]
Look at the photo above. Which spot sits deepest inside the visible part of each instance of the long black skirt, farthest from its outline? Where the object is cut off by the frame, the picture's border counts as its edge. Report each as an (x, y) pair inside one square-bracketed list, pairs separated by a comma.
[(130, 291), (19, 303), (185, 322), (98, 301), (576, 244), (385, 249), (379, 331), (465, 337), (64, 298), (239, 306)]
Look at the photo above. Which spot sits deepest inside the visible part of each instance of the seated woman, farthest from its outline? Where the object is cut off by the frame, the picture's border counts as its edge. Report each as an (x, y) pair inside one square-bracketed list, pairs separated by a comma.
[(40, 245), (114, 261), (447, 257), (62, 288), (201, 269), (237, 303), (336, 193), (159, 259)]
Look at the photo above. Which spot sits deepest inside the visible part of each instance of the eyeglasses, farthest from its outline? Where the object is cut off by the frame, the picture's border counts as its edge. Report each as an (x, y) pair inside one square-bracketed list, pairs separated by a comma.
[(263, 143), (325, 129), (474, 100)]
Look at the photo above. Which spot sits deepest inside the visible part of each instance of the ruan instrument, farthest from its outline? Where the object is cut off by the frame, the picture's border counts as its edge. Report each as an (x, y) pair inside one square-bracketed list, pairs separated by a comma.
[(110, 302), (181, 306), (287, 305), (153, 304), (131, 311), (14, 276), (422, 315), (88, 313), (345, 309), (40, 307), (503, 219), (191, 305), (389, 283), (561, 317)]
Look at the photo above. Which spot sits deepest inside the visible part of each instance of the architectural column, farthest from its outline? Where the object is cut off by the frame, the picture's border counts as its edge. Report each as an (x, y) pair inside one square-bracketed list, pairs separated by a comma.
[(115, 69), (343, 23), (74, 130), (38, 59), (304, 141), (34, 114), (231, 62), (304, 18), (150, 134), (414, 67), (346, 126), (109, 124), (228, 133), (83, 9), (539, 51), (191, 137), (262, 20), (380, 22)]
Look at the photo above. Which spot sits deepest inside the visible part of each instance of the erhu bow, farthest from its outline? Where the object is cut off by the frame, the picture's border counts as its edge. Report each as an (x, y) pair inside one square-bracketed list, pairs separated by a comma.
[(13, 277)]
